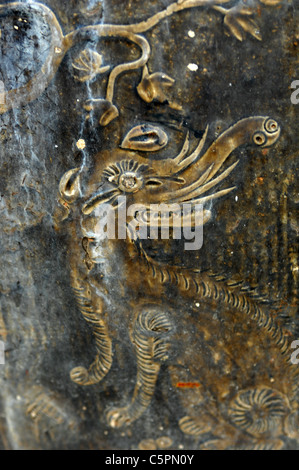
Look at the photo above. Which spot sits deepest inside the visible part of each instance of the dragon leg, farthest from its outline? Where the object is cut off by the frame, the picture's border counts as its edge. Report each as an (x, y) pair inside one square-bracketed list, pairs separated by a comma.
[(152, 331), (92, 311)]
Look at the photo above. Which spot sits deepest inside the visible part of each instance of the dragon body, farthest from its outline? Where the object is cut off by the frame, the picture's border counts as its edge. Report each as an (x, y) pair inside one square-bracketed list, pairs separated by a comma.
[(180, 317)]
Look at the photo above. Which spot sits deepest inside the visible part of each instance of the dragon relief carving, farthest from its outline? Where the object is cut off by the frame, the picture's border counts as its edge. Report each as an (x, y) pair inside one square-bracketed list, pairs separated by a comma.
[(119, 287), (184, 319)]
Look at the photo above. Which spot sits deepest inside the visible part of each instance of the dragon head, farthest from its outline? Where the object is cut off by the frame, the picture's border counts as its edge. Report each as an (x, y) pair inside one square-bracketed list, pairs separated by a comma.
[(123, 175)]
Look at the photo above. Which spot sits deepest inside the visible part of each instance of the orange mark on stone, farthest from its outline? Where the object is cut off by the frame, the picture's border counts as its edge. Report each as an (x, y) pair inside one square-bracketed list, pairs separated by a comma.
[(259, 180), (188, 384)]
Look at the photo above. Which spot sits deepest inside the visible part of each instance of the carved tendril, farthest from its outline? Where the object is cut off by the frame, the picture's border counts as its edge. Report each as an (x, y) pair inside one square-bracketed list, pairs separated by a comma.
[(238, 19)]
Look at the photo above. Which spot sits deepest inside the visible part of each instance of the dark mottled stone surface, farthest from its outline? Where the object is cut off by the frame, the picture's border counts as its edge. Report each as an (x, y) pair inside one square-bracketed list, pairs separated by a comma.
[(252, 235)]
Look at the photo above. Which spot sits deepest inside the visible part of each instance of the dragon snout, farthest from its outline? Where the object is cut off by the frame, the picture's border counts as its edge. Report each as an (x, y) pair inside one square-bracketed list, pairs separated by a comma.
[(271, 126), (268, 135)]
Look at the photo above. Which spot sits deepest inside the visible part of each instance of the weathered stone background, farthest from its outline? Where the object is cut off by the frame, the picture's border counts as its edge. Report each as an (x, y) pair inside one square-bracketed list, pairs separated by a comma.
[(253, 237)]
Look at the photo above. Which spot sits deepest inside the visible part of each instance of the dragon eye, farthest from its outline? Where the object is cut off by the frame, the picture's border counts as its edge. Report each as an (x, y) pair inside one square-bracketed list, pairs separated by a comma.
[(129, 182)]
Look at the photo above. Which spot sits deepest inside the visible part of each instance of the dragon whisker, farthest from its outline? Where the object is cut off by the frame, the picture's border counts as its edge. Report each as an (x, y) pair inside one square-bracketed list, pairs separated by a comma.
[(202, 189), (211, 196), (182, 165), (178, 159), (186, 190)]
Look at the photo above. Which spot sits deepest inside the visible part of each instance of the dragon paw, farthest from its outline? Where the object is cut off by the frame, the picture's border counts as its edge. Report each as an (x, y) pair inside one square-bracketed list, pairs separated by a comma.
[(118, 417), (79, 375)]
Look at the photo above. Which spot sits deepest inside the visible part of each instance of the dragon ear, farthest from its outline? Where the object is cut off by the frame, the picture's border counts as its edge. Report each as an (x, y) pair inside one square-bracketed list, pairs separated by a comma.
[(69, 186), (69, 191)]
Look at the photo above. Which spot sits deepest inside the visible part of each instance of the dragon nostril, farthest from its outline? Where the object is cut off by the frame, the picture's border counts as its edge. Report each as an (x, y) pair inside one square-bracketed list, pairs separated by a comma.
[(259, 138), (271, 125)]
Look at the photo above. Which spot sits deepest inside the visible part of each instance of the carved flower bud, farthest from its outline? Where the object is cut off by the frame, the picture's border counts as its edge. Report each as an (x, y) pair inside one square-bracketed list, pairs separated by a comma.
[(88, 65), (104, 108)]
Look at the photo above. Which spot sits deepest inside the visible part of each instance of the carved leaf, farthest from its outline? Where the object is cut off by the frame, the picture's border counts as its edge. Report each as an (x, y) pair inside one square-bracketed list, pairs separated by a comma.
[(154, 87), (239, 21), (88, 65)]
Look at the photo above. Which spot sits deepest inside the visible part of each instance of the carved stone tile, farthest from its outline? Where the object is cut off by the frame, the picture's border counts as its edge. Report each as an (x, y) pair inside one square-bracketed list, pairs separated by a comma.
[(149, 229)]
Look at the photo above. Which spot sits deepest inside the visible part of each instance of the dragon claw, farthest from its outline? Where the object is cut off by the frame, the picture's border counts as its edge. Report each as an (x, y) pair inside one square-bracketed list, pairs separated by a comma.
[(118, 417), (79, 375)]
